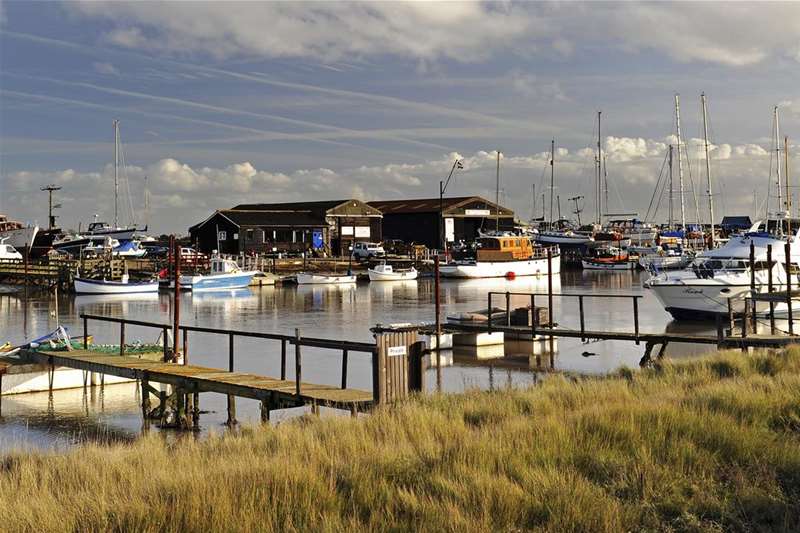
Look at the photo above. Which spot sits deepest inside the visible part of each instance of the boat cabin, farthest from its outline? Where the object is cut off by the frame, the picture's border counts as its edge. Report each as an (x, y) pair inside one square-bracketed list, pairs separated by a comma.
[(223, 266), (504, 248), (9, 252)]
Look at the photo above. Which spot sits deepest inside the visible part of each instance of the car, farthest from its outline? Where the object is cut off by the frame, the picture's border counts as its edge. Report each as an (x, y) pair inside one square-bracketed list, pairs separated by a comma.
[(368, 250)]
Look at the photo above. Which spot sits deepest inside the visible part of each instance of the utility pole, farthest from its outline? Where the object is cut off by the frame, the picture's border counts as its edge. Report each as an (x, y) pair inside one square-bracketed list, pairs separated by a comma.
[(50, 217), (708, 170)]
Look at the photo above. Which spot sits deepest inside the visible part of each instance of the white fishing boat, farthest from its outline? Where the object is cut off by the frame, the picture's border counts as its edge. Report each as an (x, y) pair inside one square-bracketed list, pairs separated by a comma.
[(225, 275), (97, 286), (8, 252), (504, 257), (386, 272), (307, 278)]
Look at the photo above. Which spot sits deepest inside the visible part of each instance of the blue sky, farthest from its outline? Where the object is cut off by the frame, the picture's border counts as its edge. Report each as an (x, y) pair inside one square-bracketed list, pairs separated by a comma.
[(223, 102)]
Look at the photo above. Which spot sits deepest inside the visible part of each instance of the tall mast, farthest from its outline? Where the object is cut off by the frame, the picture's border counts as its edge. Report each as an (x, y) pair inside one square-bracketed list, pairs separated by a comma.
[(778, 158), (533, 201), (116, 172), (552, 177), (671, 192), (497, 195), (788, 193), (680, 165), (597, 183), (708, 169), (146, 203), (605, 181)]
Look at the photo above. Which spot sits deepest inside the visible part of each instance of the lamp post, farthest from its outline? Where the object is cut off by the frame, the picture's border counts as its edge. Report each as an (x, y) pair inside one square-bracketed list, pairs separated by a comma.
[(442, 189)]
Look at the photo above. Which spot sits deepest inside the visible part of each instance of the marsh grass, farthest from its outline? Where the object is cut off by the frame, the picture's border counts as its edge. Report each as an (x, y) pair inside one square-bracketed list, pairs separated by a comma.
[(709, 445)]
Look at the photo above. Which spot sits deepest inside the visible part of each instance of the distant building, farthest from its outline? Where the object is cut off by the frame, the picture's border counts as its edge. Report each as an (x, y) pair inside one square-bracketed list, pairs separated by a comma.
[(328, 227), (419, 221)]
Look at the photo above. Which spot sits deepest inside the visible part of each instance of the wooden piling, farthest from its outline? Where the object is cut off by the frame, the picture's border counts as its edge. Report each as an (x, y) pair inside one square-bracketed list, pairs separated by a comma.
[(283, 359), (753, 280), (508, 308), (437, 297), (636, 319), (344, 369), (298, 365), (176, 305), (788, 248), (122, 338), (769, 290), (85, 333), (231, 398), (583, 322)]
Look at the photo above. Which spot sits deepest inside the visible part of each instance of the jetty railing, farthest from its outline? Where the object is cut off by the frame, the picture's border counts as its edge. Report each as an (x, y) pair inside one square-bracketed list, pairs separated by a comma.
[(534, 322), (297, 340)]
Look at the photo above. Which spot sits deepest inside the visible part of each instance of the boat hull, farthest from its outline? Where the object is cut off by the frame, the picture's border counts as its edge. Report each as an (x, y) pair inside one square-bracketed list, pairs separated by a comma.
[(666, 262), (702, 301), (392, 276), (501, 269), (219, 282), (322, 279), (621, 265), (93, 286), (20, 238), (546, 238)]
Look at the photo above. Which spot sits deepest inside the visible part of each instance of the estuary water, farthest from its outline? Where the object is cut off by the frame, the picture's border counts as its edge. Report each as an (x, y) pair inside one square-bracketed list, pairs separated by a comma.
[(112, 413)]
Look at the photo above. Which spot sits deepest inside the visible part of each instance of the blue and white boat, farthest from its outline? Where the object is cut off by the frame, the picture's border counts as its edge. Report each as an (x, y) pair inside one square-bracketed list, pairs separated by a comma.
[(102, 286), (225, 275)]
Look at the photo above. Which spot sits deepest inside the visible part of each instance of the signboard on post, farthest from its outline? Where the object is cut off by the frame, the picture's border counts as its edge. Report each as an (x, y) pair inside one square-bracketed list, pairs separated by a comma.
[(449, 230)]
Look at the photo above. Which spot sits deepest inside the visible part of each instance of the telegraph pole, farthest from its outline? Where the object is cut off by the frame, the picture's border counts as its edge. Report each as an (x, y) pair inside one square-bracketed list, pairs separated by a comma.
[(50, 217)]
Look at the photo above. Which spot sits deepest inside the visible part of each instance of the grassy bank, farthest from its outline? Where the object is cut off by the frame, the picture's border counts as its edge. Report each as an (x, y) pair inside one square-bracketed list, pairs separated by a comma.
[(708, 445)]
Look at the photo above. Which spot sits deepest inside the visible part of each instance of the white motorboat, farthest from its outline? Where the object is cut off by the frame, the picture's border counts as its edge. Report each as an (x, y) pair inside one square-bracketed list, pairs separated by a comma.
[(665, 260), (8, 252), (225, 275), (17, 234), (306, 278), (385, 272), (716, 276), (563, 237), (96, 286), (504, 257)]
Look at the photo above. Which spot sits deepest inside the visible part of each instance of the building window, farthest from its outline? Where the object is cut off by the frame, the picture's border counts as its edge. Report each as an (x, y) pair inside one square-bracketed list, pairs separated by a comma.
[(222, 236), (249, 235), (235, 236)]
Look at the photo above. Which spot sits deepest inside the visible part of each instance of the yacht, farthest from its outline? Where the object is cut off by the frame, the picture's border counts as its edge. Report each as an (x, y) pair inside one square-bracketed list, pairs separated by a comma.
[(18, 234), (702, 290), (500, 256)]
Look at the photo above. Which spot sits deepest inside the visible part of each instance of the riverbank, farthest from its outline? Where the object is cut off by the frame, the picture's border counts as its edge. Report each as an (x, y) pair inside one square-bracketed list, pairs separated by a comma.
[(710, 444)]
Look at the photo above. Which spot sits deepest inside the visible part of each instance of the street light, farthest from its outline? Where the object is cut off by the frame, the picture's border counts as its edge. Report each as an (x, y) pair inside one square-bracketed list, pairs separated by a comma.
[(442, 188)]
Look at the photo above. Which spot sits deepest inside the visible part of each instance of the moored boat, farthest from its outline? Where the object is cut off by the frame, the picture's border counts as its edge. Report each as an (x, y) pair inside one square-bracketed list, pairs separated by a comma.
[(8, 252), (17, 234), (307, 278), (608, 259), (225, 275), (96, 286), (505, 256), (386, 272)]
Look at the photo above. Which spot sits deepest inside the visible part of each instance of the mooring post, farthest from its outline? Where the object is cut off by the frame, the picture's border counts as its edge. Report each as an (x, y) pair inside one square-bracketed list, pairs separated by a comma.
[(167, 358), (85, 333), (264, 410), (176, 306), (534, 316), (508, 308), (745, 318), (298, 366), (753, 282), (231, 398), (283, 359), (550, 287), (145, 399), (437, 296), (344, 369), (789, 284), (122, 338), (582, 318), (731, 319), (489, 313), (769, 290), (720, 332), (636, 319), (185, 346), (195, 410)]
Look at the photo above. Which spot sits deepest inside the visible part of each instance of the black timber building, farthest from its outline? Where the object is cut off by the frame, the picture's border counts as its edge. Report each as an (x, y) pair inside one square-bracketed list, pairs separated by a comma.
[(324, 227), (419, 221)]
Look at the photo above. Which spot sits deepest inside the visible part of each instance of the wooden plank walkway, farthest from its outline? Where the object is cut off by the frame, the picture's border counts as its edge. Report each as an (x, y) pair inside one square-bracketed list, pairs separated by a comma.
[(193, 378)]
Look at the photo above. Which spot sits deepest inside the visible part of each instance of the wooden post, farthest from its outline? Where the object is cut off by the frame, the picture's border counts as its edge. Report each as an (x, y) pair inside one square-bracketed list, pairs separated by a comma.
[(789, 284), (731, 320), (85, 333), (298, 364), (720, 332), (533, 316), (145, 399), (376, 376), (416, 369), (745, 318), (583, 320), (122, 338), (166, 344), (264, 411), (753, 280), (283, 359), (636, 319), (231, 398), (196, 410), (489, 313), (550, 286), (437, 296), (769, 290), (344, 369), (185, 346), (508, 308), (176, 306)]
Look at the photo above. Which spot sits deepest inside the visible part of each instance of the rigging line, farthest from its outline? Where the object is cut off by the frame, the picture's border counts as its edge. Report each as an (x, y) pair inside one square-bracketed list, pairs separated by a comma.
[(655, 189)]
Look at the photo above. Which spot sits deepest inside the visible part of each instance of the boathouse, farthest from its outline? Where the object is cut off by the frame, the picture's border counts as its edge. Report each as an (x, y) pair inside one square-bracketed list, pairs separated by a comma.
[(324, 228), (419, 221)]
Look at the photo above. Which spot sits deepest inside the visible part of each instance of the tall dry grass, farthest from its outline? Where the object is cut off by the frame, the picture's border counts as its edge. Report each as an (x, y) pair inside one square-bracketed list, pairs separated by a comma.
[(707, 445)]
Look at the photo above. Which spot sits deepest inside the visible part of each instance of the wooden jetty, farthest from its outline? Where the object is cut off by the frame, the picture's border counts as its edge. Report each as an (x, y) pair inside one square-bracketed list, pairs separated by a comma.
[(179, 407)]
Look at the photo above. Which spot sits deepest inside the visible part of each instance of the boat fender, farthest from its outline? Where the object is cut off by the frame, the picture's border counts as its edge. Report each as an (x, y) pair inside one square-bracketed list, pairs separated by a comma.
[(510, 275)]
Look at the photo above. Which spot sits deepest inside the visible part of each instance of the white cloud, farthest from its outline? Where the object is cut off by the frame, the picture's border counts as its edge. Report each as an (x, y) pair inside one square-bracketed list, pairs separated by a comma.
[(105, 68), (733, 34)]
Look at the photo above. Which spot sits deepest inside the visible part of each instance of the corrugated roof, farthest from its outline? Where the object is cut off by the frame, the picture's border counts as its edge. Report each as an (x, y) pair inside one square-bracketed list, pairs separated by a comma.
[(243, 217)]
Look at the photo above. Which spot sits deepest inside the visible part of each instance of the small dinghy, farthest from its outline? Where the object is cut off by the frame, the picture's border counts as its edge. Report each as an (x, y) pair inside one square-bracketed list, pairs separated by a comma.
[(306, 278), (101, 286), (610, 258), (385, 272)]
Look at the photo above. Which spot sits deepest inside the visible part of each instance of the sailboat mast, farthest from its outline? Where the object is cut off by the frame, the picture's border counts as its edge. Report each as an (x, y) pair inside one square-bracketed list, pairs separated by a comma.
[(788, 193), (597, 184), (708, 169), (680, 165), (497, 195), (146, 203), (671, 192), (778, 158), (552, 178), (116, 173), (605, 181)]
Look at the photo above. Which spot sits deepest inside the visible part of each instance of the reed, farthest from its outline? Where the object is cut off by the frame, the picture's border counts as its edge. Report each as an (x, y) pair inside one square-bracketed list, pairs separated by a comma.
[(712, 444)]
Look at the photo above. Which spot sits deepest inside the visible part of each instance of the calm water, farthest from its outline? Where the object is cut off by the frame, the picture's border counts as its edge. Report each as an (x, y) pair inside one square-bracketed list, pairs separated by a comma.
[(112, 413)]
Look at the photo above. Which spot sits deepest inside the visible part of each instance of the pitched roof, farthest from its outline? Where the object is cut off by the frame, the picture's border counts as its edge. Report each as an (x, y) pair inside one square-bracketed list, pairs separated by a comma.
[(318, 206), (426, 205), (242, 217)]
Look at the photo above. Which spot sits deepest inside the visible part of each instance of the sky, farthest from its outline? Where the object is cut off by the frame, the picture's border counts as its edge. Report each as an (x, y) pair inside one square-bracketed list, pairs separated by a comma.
[(223, 103)]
